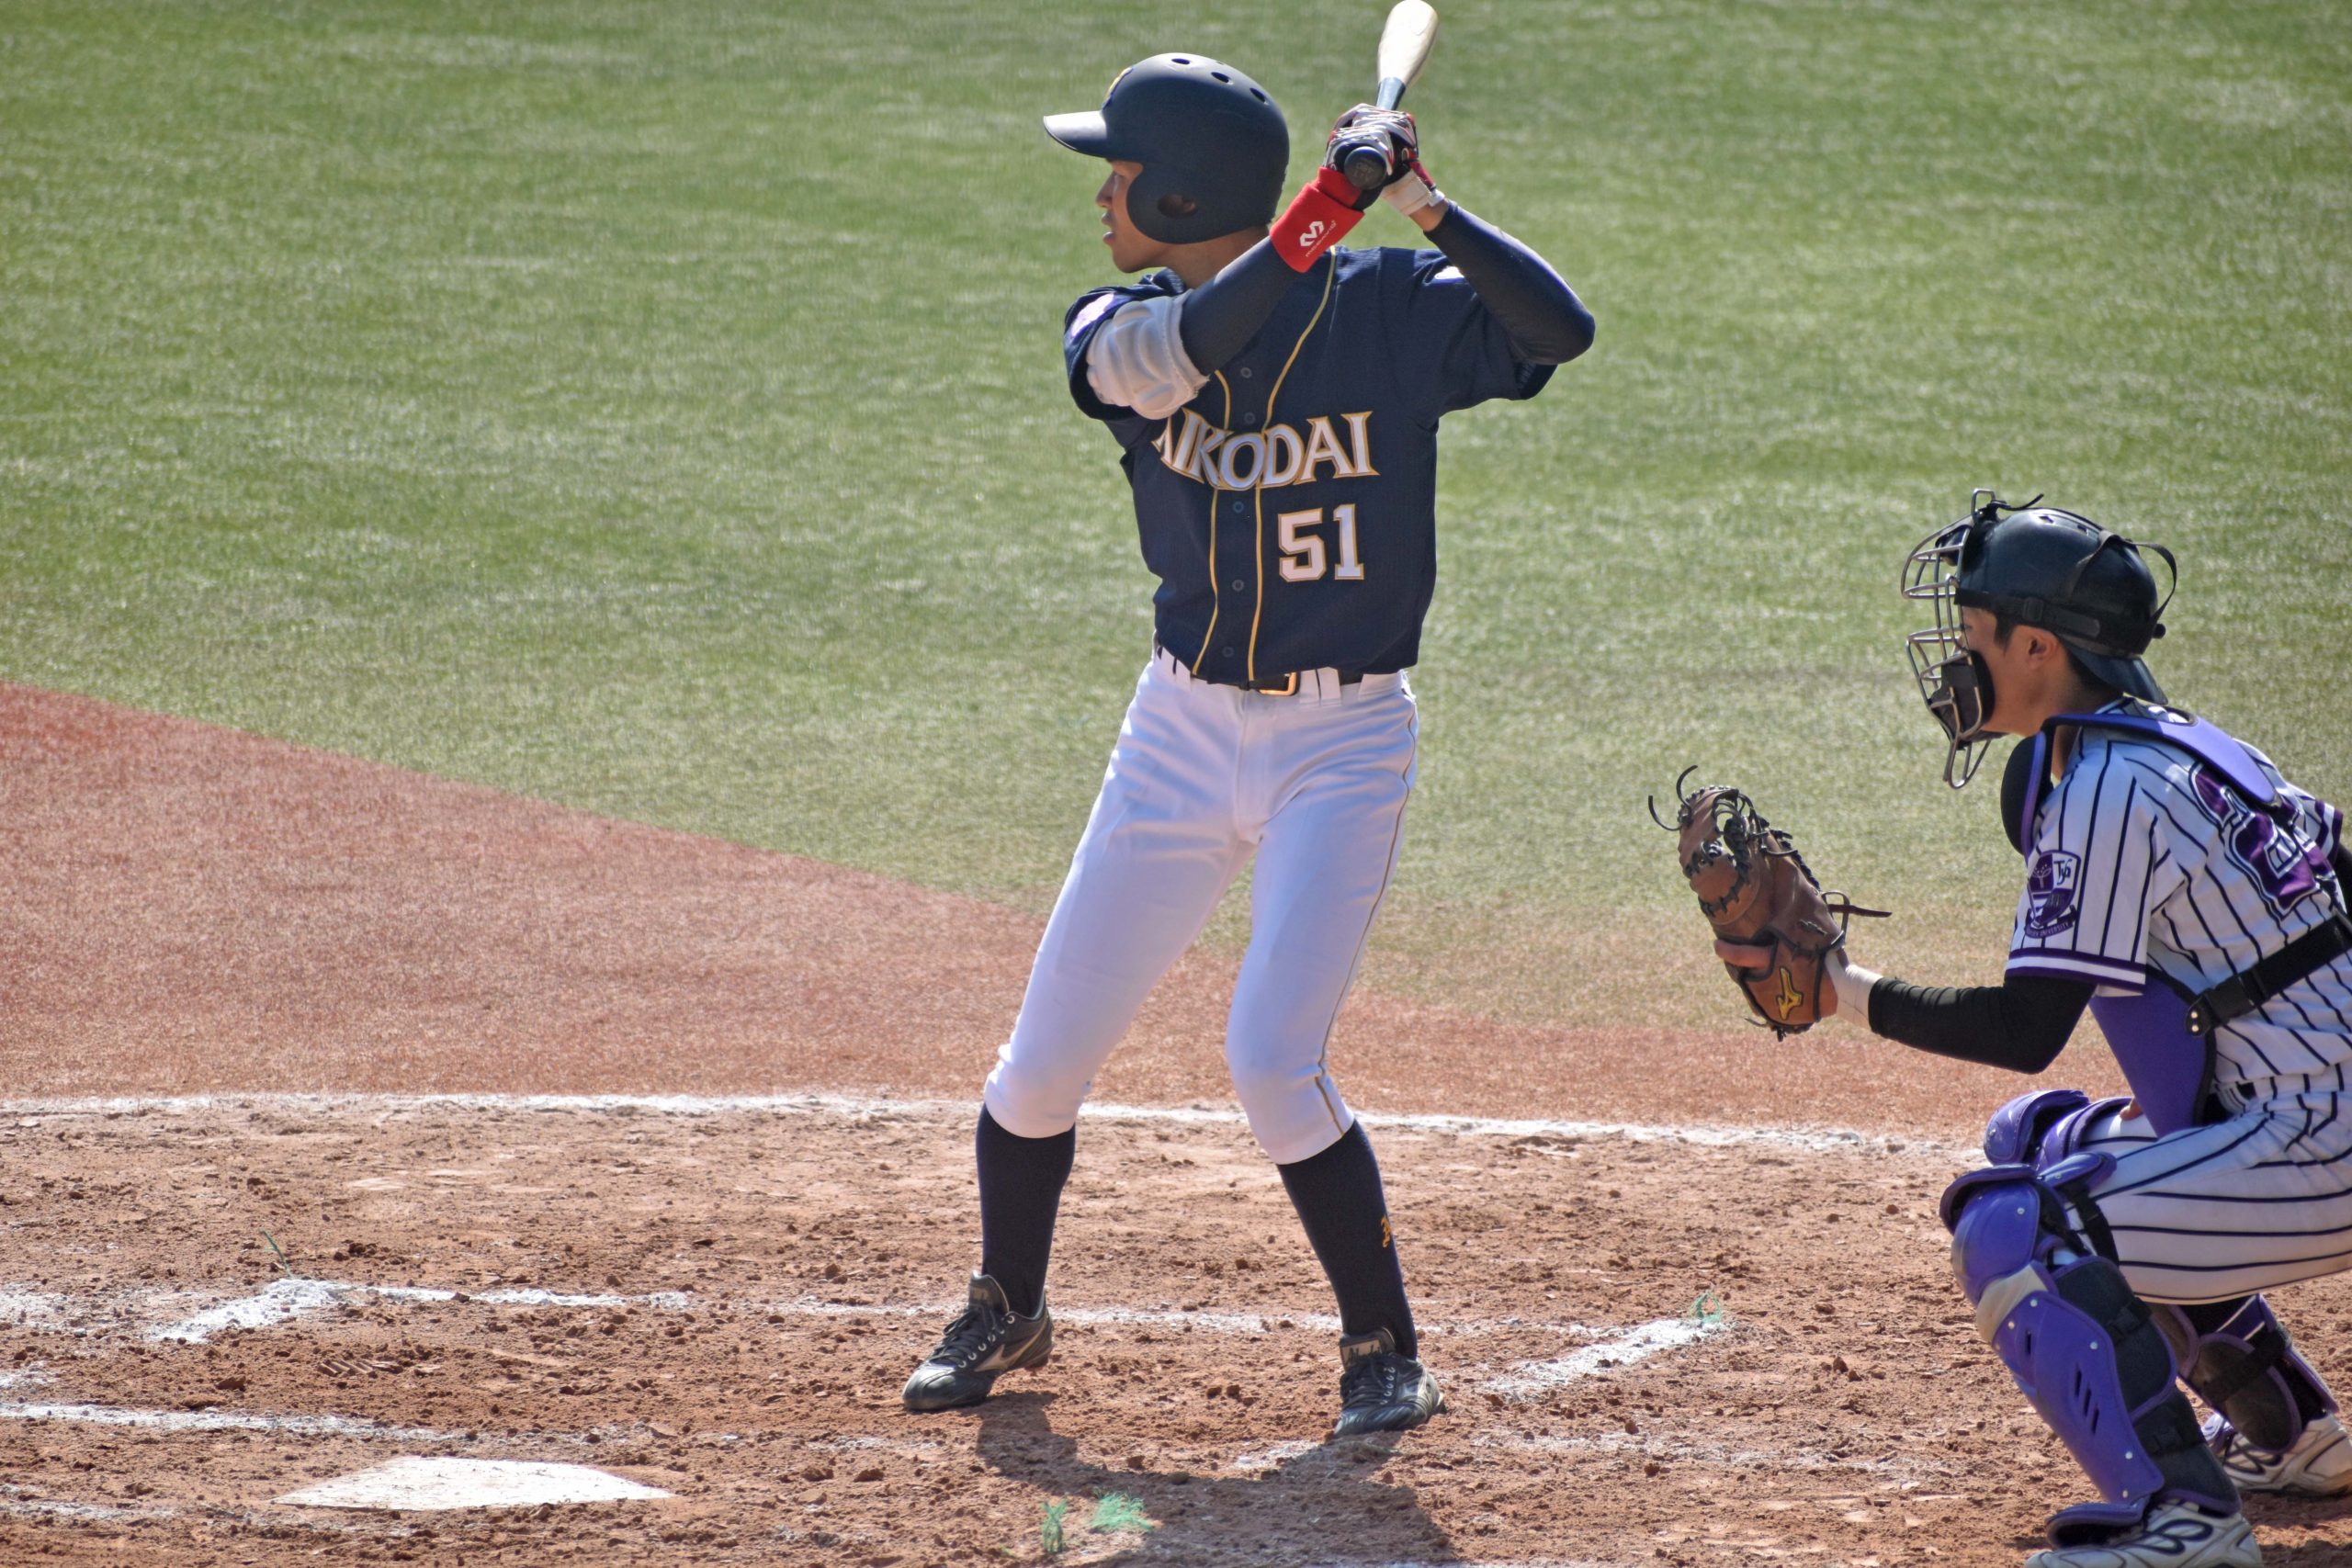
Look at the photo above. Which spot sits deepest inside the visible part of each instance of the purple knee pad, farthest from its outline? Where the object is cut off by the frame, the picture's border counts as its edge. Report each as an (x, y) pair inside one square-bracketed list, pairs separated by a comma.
[(2063, 1141), (2016, 1131), (2083, 1348), (2248, 1370), (2044, 1127)]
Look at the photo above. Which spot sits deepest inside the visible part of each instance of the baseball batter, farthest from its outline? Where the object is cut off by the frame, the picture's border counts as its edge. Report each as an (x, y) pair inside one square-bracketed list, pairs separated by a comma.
[(2193, 899), (1275, 402)]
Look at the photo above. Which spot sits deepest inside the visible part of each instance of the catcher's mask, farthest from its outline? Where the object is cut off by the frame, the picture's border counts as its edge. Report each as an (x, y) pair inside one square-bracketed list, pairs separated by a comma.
[(2040, 567)]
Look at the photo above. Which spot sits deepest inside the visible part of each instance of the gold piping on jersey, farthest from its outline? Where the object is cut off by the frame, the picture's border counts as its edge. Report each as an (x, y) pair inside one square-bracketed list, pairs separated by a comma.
[(1217, 600), (1257, 493)]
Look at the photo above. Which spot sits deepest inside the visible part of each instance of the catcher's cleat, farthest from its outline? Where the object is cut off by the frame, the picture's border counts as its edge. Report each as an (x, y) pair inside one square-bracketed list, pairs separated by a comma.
[(988, 1340), (2172, 1535), (1381, 1391), (2317, 1464)]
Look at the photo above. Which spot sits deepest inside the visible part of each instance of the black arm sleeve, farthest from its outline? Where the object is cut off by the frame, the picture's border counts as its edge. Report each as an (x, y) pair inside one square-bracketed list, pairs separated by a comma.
[(2020, 1024), (1547, 324), (1222, 315)]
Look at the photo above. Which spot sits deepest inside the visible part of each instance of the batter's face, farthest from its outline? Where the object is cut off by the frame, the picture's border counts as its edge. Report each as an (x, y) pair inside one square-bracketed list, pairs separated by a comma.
[(1131, 250)]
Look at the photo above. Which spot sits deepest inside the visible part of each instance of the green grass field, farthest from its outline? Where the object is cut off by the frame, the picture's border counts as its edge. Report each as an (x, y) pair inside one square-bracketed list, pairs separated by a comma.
[(657, 408)]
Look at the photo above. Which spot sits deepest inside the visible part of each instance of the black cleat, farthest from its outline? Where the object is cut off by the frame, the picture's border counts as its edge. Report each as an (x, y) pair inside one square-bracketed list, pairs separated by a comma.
[(989, 1340), (1381, 1391)]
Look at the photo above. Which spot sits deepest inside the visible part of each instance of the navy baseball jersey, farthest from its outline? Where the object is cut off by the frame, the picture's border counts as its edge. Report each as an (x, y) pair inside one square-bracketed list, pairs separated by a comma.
[(1289, 511), (2142, 860)]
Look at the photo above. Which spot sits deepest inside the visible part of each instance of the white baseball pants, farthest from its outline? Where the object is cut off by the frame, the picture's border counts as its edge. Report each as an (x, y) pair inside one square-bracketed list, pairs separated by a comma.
[(2249, 1204), (1203, 776)]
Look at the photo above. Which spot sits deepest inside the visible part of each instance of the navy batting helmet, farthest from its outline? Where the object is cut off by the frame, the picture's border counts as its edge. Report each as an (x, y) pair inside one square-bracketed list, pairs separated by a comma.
[(2041, 567), (1212, 143)]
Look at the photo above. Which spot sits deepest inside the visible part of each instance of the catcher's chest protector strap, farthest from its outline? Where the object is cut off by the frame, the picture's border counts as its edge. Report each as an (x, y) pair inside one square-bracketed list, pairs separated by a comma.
[(2201, 738)]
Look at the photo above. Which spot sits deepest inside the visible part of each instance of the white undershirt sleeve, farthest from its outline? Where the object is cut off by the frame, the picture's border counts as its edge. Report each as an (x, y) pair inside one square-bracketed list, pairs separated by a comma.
[(1853, 985), (1138, 359)]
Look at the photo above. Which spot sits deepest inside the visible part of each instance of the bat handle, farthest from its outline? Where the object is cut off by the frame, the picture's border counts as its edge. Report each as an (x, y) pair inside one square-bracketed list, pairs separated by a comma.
[(1367, 167)]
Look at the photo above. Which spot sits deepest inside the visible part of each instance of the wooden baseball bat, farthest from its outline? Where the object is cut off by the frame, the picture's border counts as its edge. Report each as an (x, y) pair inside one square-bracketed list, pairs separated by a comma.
[(1404, 42)]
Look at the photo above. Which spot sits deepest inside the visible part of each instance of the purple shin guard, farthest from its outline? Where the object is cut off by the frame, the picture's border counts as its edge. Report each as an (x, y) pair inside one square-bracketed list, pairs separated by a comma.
[(2248, 1368), (2090, 1524), (2083, 1348)]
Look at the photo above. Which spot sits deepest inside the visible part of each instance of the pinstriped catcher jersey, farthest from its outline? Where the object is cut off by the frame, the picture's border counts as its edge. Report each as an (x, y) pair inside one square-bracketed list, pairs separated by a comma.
[(2144, 867)]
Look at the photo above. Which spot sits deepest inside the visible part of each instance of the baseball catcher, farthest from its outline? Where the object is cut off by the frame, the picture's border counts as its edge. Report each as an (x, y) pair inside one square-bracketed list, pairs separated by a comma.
[(2183, 892)]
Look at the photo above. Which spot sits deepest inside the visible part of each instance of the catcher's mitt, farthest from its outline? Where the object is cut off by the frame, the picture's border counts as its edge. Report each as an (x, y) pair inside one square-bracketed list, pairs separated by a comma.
[(1755, 890)]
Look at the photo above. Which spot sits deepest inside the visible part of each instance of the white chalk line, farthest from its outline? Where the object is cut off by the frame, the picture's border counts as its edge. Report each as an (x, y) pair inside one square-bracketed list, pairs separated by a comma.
[(1818, 1140), (1636, 1344), (21, 1505), (288, 1299), (161, 1316), (220, 1421), (285, 1300), (1248, 1323)]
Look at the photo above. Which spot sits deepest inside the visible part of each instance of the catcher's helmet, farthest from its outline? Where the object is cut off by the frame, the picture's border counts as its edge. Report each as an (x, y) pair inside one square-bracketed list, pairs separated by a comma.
[(1212, 142), (2041, 566)]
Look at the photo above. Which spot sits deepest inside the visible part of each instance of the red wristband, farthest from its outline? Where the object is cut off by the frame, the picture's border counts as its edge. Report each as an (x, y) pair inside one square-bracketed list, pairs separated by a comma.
[(1317, 218)]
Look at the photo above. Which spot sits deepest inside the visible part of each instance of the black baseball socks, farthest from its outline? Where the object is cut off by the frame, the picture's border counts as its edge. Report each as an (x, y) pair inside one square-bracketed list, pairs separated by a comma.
[(1020, 1192)]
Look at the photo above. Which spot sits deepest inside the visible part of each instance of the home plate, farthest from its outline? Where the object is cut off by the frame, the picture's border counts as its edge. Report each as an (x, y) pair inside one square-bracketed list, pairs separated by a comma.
[(417, 1482)]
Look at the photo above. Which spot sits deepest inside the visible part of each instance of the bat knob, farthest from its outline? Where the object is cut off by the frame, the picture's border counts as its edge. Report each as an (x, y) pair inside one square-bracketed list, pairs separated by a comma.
[(1367, 167)]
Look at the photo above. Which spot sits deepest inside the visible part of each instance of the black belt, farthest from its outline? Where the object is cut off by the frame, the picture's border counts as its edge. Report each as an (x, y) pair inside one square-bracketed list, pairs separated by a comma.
[(2241, 994), (1288, 685)]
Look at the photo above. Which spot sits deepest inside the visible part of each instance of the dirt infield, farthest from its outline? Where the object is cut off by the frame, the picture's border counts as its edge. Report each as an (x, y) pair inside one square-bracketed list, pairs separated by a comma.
[(721, 1302), (498, 1227)]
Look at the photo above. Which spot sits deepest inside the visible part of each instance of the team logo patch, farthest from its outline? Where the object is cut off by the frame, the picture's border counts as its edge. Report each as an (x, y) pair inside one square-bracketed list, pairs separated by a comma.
[(2052, 890)]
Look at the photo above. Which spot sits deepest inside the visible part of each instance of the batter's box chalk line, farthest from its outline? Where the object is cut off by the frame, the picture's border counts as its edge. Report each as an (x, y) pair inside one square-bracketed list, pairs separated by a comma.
[(306, 1107), (1618, 1348), (1533, 1378), (163, 1316), (220, 1421), (282, 1301)]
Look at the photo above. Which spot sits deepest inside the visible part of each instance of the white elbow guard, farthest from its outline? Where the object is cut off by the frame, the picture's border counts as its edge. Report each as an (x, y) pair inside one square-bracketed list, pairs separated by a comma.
[(1138, 359)]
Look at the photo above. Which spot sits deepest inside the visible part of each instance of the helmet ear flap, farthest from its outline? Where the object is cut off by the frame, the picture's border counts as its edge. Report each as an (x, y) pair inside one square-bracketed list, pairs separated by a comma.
[(1159, 204)]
